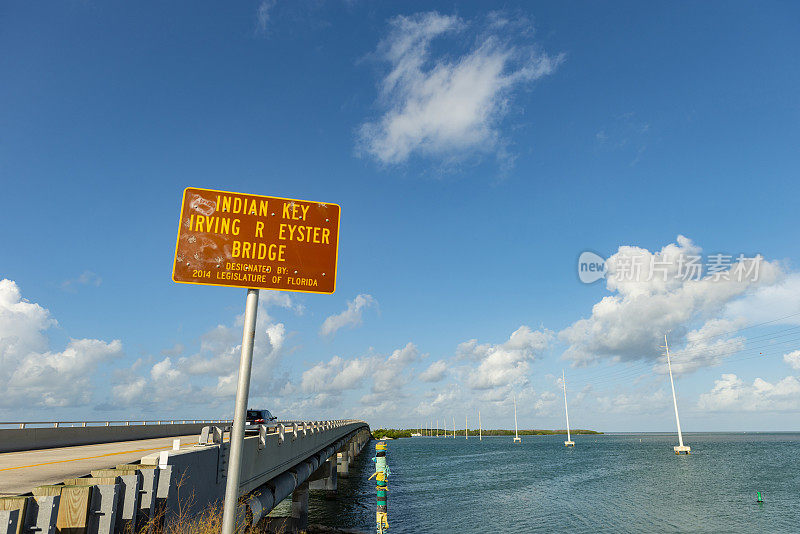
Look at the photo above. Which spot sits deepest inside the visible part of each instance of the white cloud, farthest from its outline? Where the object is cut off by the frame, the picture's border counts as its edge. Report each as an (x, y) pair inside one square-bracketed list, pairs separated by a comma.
[(649, 399), (163, 370), (705, 347), (443, 105), (263, 14), (33, 375), (131, 393), (165, 386), (435, 372), (220, 351), (22, 325), (731, 393), (349, 317), (390, 375), (545, 403), (442, 402), (62, 378), (210, 373), (335, 376), (771, 301), (176, 350), (630, 324), (793, 359), (338, 375), (282, 299), (505, 364), (86, 278), (582, 394)]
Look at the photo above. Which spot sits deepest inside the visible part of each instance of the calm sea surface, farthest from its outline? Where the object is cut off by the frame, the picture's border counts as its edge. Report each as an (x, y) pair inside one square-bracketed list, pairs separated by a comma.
[(607, 483)]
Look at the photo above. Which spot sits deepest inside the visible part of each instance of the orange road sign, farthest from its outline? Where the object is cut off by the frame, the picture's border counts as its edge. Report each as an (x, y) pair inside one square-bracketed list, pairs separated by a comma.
[(258, 242)]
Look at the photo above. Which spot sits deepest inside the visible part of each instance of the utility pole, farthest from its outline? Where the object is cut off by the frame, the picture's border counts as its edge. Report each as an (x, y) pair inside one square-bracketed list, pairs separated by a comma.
[(569, 442), (681, 448)]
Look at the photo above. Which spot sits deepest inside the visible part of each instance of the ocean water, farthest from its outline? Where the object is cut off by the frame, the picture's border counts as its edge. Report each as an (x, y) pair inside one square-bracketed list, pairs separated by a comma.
[(607, 483)]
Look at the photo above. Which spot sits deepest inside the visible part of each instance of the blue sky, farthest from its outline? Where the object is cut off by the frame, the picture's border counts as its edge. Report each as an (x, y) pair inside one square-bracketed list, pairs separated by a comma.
[(475, 155)]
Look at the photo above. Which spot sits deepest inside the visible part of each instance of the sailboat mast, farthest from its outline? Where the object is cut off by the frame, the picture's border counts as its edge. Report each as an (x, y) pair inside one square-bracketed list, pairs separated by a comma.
[(674, 399), (516, 430), (454, 427), (566, 410), (466, 425), (480, 427)]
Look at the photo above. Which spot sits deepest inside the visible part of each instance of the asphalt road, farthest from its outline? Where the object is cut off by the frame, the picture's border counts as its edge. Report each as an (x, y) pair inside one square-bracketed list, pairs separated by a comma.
[(20, 472)]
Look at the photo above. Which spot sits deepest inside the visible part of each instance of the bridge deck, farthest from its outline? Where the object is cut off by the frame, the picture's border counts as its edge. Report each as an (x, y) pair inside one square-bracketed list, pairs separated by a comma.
[(20, 472)]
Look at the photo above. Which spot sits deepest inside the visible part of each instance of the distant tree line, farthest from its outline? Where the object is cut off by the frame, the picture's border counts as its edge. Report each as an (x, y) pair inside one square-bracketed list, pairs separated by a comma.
[(395, 433), (392, 433)]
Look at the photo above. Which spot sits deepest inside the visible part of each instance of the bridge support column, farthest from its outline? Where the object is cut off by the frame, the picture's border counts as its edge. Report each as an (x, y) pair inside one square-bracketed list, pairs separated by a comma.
[(352, 450), (343, 463), (325, 477), (300, 507)]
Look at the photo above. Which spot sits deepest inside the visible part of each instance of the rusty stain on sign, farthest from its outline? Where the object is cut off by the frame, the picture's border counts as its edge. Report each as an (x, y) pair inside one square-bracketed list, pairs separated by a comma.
[(253, 241)]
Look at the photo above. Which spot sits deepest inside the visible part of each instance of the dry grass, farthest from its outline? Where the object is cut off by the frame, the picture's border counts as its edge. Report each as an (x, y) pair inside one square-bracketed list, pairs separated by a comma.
[(185, 520)]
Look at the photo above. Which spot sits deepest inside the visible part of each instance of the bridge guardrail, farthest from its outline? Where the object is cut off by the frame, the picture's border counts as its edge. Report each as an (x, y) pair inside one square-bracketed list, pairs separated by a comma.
[(83, 423), (52, 436), (31, 435)]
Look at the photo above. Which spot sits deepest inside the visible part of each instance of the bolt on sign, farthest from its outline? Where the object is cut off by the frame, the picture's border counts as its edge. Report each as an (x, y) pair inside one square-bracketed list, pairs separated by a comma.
[(253, 241)]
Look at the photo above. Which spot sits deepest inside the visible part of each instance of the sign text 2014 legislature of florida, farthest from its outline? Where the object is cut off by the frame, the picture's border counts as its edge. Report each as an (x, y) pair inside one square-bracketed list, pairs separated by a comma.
[(252, 241)]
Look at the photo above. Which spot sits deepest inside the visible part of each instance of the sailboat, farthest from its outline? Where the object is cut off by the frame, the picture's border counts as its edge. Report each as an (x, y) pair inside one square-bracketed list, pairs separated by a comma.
[(680, 448), (516, 431), (454, 427), (466, 426), (480, 428), (569, 442)]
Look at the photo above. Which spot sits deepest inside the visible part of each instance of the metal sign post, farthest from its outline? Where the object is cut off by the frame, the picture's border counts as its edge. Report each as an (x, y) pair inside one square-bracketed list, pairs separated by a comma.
[(253, 242), (240, 414)]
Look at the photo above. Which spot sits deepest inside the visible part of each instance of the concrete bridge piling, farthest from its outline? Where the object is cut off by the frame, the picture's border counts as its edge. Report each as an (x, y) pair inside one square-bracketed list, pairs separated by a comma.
[(325, 477)]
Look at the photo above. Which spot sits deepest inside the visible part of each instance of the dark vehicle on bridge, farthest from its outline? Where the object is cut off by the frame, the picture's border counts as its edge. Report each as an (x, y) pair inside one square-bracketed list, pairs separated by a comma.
[(256, 418)]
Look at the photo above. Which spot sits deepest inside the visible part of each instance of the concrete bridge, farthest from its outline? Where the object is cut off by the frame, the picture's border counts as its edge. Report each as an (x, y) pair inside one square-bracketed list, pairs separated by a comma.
[(104, 477)]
